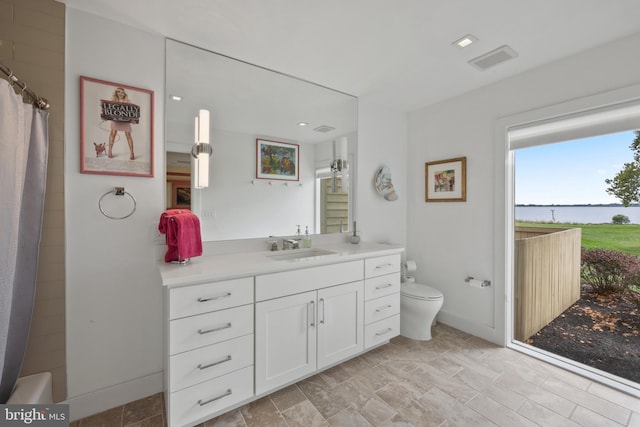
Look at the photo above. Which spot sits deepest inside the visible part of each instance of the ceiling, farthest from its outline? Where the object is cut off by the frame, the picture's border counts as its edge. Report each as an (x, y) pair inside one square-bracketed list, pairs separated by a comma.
[(397, 53)]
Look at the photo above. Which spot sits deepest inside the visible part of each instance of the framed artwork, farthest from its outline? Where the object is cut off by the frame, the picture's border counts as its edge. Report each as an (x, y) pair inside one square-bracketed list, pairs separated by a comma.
[(277, 160), (182, 194), (446, 180), (116, 129)]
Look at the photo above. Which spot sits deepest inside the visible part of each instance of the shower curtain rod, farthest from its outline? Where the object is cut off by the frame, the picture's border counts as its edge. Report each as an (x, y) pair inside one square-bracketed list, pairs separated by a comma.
[(39, 102)]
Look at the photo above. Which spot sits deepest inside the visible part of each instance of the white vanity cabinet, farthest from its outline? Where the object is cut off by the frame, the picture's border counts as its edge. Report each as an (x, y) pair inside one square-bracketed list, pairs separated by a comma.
[(209, 363), (230, 339), (301, 333), (382, 299)]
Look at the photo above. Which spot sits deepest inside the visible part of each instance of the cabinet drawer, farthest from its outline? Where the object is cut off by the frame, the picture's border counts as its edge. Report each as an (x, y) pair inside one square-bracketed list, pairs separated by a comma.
[(197, 403), (196, 366), (269, 286), (198, 299), (381, 265), (379, 332), (210, 328), (381, 308), (381, 286)]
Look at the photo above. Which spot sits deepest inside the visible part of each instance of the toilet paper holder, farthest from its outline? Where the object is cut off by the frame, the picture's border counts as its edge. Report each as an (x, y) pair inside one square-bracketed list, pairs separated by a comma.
[(477, 283)]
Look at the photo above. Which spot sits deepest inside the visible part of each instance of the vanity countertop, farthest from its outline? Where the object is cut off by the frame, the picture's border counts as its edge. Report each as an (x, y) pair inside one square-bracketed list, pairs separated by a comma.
[(234, 265)]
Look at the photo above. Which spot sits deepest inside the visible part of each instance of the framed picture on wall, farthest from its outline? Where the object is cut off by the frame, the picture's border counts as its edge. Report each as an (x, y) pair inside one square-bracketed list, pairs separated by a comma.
[(277, 160), (446, 180), (182, 194), (116, 128)]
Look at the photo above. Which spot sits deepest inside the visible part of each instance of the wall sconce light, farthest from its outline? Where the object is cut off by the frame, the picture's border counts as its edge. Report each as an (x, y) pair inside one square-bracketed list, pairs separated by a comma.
[(201, 150), (340, 165)]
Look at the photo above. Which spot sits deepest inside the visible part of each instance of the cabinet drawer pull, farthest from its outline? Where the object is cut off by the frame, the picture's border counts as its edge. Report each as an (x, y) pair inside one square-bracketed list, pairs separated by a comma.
[(228, 294), (225, 394), (219, 362), (386, 331), (388, 285), (387, 307), (219, 328), (384, 266)]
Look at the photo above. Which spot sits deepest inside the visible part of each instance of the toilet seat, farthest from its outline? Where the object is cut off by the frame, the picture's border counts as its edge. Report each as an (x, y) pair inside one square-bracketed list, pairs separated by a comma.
[(421, 292)]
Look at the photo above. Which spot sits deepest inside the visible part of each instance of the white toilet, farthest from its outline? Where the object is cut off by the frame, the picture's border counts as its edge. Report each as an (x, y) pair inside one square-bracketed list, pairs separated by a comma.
[(419, 305)]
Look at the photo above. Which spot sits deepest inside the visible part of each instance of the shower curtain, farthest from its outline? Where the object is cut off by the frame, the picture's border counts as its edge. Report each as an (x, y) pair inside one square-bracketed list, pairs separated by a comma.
[(23, 171)]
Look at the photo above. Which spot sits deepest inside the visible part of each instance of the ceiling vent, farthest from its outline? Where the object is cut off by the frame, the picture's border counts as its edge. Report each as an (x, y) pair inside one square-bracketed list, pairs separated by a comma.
[(495, 57), (324, 129)]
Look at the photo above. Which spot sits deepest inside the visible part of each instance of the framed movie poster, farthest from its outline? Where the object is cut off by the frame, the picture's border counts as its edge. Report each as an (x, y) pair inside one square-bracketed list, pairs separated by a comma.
[(116, 129)]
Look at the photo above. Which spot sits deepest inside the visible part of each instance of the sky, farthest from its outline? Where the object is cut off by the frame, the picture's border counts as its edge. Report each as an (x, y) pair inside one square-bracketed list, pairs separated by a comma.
[(573, 172)]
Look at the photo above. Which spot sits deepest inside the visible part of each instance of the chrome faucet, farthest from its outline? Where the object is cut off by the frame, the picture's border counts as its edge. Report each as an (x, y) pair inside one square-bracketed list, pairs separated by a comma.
[(291, 243)]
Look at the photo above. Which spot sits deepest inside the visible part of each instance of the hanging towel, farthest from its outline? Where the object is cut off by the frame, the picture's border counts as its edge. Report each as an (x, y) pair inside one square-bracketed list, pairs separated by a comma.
[(182, 229), (164, 218)]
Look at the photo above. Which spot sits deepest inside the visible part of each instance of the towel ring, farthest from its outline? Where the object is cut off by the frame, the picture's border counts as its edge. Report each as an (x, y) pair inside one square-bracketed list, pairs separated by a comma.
[(118, 191)]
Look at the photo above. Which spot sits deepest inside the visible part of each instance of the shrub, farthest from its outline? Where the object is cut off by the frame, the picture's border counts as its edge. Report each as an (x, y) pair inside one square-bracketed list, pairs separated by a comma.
[(620, 219), (609, 271)]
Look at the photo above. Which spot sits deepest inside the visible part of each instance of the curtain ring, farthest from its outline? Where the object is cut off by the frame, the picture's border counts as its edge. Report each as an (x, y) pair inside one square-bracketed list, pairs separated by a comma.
[(118, 191), (12, 78)]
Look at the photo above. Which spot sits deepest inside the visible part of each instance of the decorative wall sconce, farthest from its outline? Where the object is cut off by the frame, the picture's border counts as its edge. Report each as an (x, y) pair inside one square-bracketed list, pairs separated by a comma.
[(340, 165), (201, 150)]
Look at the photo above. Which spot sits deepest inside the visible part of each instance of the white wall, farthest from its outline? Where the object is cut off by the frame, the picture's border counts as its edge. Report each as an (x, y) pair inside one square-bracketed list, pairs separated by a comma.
[(235, 208), (114, 298), (452, 240), (382, 141), (113, 294)]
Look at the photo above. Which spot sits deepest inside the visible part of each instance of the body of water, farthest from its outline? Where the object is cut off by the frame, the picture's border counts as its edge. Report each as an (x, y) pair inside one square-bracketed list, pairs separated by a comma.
[(576, 214)]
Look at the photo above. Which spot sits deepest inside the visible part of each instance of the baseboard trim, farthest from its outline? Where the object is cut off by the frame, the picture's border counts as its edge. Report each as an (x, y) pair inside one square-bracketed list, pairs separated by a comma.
[(465, 325), (98, 401)]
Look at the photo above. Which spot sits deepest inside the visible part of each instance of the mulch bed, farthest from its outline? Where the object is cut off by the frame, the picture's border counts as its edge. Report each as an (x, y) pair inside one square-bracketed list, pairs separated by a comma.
[(601, 331)]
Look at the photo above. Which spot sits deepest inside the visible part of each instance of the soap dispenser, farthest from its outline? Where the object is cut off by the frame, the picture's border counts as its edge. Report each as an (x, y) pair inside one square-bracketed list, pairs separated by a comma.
[(306, 240), (355, 239)]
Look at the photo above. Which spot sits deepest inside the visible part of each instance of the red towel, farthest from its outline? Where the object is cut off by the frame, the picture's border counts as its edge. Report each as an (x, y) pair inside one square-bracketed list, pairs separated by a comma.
[(164, 218), (182, 228)]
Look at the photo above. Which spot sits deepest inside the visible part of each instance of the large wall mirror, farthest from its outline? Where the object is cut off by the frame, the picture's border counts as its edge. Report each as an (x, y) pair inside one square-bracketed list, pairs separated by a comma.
[(247, 103)]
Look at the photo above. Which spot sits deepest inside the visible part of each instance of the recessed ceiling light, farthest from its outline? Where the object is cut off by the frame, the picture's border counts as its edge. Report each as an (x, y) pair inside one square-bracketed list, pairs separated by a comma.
[(302, 123), (464, 41), (176, 98)]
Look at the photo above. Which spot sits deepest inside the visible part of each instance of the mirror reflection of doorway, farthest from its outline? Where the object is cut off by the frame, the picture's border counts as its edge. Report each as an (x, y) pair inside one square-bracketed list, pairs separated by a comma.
[(334, 207), (178, 180)]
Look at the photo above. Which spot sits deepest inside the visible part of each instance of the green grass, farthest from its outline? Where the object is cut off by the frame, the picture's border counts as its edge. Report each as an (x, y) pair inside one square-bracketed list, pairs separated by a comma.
[(623, 238)]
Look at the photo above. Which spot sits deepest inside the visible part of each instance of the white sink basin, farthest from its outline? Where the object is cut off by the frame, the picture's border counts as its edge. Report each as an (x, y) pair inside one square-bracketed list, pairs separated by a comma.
[(299, 254)]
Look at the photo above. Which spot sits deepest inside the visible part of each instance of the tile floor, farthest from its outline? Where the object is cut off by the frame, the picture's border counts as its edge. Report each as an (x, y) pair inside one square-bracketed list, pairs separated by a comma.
[(453, 380)]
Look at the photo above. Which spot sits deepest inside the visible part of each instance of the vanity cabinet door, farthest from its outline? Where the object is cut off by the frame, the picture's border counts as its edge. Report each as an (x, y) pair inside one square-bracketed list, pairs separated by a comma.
[(340, 322), (285, 334)]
